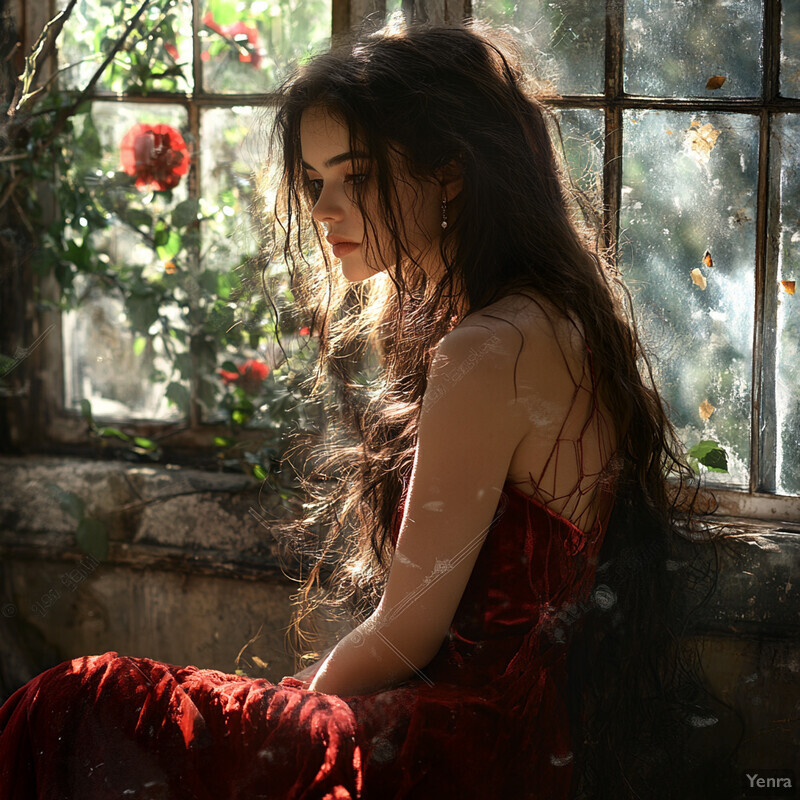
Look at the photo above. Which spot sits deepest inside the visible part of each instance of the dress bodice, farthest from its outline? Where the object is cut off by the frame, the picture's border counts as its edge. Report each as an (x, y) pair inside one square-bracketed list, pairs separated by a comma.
[(533, 569)]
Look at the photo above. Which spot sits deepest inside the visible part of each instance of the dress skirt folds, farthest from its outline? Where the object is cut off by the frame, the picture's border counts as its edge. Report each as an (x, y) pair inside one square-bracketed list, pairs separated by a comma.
[(487, 720)]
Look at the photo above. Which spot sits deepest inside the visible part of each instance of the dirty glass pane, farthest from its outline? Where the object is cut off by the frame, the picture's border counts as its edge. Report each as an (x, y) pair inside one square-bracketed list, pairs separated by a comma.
[(250, 46), (116, 345), (564, 41), (157, 55), (790, 48), (103, 364), (787, 381), (583, 132), (674, 47), (689, 186), (232, 139)]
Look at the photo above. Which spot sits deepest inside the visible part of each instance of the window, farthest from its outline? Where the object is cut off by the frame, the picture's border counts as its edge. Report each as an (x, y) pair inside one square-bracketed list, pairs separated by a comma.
[(189, 86), (688, 111), (695, 107)]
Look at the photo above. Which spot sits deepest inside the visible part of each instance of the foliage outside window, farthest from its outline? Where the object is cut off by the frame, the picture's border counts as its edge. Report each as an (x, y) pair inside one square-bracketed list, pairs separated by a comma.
[(152, 244)]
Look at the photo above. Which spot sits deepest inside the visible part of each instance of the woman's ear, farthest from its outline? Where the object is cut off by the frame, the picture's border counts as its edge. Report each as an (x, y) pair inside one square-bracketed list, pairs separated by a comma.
[(451, 178)]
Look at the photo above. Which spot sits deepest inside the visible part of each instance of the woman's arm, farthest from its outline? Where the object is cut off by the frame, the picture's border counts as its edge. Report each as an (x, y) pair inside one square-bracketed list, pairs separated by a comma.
[(470, 425), (366, 661)]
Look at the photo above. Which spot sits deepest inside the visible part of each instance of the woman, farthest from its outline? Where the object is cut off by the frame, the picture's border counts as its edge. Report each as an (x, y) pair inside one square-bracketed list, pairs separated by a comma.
[(424, 213)]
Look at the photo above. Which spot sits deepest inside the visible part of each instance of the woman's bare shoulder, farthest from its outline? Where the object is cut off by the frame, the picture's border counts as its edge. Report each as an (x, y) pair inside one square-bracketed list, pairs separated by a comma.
[(541, 325)]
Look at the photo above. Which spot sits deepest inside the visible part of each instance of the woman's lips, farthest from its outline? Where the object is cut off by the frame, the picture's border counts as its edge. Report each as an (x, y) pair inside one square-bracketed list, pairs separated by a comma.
[(343, 248)]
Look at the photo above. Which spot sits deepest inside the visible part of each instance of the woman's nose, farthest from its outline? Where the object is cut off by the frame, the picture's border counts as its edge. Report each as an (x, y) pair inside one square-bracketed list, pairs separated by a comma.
[(328, 207)]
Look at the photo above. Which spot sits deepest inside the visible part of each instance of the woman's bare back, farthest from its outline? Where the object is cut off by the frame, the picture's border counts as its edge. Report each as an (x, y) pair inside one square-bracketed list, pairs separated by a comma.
[(570, 440)]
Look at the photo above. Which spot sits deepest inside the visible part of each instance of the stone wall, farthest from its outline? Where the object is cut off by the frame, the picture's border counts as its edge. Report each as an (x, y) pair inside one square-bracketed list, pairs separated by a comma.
[(192, 575)]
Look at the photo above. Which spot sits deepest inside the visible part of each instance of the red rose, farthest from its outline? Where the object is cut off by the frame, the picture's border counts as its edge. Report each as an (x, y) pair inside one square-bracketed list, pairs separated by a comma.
[(250, 376), (155, 155), (304, 331), (238, 30)]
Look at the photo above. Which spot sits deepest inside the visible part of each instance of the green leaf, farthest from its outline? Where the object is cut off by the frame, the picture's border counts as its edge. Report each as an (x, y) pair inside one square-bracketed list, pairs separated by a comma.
[(138, 218), (139, 343), (70, 502), (178, 394), (224, 441), (223, 286), (224, 11), (114, 432), (78, 254), (160, 234), (185, 213), (180, 335), (183, 363), (710, 454), (171, 247), (142, 311), (145, 444), (90, 140), (259, 472), (86, 411), (208, 280), (6, 365), (92, 538), (64, 274)]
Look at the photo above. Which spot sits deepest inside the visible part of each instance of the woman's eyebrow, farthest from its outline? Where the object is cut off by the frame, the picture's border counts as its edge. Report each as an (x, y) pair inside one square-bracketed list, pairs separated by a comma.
[(333, 161)]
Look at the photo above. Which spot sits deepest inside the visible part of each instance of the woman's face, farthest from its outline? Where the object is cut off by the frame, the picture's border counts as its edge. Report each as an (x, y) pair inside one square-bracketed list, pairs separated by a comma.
[(333, 172)]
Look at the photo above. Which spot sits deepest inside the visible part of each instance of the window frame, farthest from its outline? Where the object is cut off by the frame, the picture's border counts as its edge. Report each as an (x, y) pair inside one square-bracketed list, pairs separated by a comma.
[(65, 431)]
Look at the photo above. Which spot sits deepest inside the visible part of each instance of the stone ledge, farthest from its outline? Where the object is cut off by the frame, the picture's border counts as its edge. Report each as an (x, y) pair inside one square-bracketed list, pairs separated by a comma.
[(153, 513), (756, 593), (194, 522), (142, 556)]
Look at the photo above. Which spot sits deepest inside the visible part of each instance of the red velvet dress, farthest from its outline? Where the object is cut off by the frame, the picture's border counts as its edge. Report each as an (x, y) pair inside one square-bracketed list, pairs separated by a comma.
[(487, 720)]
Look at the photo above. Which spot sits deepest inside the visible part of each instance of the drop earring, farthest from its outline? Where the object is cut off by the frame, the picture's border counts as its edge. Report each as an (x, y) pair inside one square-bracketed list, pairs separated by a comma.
[(444, 211)]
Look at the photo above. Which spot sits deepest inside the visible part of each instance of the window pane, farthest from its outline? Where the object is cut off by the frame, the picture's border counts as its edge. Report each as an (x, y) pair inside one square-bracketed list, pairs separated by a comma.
[(787, 381), (231, 139), (157, 55), (117, 343), (674, 48), (790, 48), (565, 41), (252, 45), (583, 132), (689, 186), (103, 363)]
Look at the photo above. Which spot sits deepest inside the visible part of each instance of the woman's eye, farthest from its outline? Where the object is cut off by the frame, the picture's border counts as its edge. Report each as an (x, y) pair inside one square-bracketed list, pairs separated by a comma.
[(315, 187)]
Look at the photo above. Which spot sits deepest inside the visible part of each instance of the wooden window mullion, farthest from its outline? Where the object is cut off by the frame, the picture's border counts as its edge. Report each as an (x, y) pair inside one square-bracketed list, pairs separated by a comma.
[(763, 415), (614, 91)]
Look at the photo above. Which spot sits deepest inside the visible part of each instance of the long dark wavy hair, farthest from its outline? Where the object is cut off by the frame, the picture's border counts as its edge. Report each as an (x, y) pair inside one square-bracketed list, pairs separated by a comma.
[(432, 95)]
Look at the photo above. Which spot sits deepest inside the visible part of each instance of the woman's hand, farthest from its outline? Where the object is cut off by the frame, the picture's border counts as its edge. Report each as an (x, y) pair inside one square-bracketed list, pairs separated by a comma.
[(309, 672), (306, 675)]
